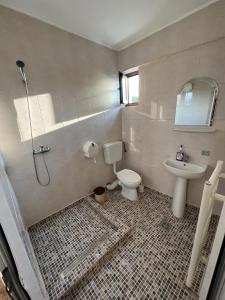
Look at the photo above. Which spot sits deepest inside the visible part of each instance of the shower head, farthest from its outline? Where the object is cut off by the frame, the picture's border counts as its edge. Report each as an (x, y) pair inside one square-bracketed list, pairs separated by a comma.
[(20, 64)]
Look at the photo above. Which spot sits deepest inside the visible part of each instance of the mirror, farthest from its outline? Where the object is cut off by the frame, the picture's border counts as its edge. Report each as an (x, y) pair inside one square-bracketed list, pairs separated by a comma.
[(196, 102)]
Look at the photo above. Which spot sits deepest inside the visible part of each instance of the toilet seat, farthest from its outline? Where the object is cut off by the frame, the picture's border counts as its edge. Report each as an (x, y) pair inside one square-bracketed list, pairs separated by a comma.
[(129, 177)]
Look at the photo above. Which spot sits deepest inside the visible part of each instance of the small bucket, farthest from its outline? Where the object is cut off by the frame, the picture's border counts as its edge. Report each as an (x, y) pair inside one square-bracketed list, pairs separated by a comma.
[(100, 195)]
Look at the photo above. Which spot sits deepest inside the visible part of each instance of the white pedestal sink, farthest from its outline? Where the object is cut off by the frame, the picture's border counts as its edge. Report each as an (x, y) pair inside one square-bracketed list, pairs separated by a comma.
[(183, 171)]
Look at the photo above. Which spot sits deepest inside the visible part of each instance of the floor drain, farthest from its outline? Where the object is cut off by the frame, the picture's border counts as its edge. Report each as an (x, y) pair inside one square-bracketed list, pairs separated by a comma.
[(165, 224)]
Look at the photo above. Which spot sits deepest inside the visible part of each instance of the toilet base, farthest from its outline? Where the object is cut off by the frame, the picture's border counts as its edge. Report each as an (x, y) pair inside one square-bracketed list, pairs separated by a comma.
[(129, 193)]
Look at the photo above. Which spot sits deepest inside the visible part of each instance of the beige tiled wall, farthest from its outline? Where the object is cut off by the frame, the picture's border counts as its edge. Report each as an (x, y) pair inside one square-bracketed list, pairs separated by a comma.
[(74, 98), (148, 128), (201, 27)]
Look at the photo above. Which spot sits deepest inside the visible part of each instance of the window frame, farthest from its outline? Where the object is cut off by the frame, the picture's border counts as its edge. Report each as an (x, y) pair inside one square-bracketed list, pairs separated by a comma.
[(124, 89)]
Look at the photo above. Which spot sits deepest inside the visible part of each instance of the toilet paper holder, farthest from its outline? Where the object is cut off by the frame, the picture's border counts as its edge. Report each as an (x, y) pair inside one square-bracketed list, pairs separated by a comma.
[(90, 149)]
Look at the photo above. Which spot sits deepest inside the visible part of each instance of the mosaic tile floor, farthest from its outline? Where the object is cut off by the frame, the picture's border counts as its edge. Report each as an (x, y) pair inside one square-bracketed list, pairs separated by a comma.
[(68, 243), (152, 262)]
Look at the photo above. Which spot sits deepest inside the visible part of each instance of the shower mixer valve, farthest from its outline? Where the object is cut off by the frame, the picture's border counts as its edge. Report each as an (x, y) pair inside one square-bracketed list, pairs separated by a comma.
[(41, 149)]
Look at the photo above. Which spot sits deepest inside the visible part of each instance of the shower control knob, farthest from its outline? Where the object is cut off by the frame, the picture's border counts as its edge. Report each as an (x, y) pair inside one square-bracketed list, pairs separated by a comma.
[(41, 149)]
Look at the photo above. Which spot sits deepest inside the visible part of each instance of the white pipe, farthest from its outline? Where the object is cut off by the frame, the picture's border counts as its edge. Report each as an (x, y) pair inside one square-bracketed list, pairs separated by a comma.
[(113, 185), (207, 203), (114, 169), (219, 197), (213, 258)]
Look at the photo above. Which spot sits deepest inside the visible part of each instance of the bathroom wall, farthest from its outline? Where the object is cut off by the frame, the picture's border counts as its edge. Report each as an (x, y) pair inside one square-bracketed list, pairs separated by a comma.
[(74, 98), (190, 48)]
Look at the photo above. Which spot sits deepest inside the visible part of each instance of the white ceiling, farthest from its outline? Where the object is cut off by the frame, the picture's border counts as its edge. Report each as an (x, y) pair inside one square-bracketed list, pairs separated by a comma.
[(113, 23)]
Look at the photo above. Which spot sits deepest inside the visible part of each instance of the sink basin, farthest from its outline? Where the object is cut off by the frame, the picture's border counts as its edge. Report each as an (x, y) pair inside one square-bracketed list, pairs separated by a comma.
[(183, 171)]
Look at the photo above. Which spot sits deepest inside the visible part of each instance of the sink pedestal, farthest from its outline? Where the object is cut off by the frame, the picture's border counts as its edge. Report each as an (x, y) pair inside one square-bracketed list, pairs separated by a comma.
[(183, 171), (179, 197)]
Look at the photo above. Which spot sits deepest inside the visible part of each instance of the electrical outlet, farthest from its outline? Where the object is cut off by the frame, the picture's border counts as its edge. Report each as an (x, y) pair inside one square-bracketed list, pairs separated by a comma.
[(205, 152)]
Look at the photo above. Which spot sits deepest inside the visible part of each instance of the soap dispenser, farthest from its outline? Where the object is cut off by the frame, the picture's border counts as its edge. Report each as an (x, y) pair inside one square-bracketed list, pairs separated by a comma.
[(180, 154)]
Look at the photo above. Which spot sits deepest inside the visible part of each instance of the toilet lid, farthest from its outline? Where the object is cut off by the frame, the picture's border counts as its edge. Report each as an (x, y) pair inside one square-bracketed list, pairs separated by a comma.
[(128, 176)]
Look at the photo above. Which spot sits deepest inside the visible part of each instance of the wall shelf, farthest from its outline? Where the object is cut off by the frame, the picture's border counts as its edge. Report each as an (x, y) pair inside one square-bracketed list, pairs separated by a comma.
[(203, 129)]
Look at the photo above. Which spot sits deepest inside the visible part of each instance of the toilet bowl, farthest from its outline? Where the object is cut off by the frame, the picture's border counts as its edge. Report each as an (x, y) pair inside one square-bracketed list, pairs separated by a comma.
[(129, 181)]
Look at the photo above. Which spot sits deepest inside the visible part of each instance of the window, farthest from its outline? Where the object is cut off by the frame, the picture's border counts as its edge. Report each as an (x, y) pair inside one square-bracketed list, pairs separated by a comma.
[(129, 84)]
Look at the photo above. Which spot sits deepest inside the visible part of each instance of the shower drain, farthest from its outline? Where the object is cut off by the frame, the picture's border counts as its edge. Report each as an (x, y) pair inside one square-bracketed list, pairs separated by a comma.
[(165, 224)]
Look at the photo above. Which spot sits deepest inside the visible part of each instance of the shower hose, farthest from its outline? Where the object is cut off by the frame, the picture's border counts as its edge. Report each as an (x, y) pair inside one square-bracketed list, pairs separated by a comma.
[(32, 144)]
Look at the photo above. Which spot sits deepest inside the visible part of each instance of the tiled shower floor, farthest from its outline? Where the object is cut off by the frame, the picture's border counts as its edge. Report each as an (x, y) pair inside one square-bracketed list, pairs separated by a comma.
[(152, 262), (70, 242)]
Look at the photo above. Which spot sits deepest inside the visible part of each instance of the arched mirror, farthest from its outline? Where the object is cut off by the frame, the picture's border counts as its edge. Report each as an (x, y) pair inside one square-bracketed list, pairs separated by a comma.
[(196, 102)]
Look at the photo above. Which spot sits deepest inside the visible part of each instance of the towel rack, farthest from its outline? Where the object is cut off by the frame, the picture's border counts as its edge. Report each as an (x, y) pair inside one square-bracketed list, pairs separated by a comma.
[(209, 196)]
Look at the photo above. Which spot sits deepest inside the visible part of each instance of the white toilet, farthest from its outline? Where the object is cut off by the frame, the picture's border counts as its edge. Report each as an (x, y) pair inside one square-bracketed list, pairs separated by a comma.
[(127, 179)]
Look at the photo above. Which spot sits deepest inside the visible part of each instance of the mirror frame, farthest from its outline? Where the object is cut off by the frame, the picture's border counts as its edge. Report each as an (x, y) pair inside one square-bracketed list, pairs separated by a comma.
[(202, 128)]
